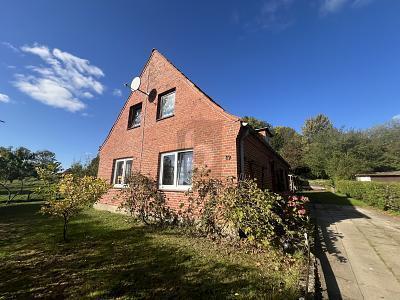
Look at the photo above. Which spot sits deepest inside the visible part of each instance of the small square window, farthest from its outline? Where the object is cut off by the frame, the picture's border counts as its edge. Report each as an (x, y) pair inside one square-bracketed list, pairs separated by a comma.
[(135, 114), (166, 105)]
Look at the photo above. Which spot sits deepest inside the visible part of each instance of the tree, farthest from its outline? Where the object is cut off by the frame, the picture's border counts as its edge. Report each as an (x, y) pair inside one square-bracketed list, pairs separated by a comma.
[(317, 152), (15, 165), (80, 169), (256, 123), (316, 125), (93, 166), (69, 196), (289, 144), (76, 169), (386, 138), (43, 158)]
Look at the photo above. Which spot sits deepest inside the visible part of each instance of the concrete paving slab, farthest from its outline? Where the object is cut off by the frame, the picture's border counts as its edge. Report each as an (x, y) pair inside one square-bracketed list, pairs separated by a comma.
[(360, 252)]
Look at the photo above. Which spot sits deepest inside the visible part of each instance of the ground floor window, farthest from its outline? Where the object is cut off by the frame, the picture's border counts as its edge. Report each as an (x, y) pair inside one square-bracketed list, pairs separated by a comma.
[(176, 169), (122, 171)]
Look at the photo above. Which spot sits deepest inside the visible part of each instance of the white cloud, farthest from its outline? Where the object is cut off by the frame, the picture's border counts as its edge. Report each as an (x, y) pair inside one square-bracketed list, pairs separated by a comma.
[(273, 15), (49, 92), (10, 46), (396, 117), (63, 81), (4, 98), (117, 92), (332, 6)]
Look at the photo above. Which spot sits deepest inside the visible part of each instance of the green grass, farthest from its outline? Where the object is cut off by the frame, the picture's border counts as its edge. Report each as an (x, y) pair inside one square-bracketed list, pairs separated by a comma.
[(332, 198), (108, 256), (29, 186)]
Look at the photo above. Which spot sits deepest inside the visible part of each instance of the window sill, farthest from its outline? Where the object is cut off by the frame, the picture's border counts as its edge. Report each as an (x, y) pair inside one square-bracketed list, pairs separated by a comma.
[(120, 186), (133, 127), (166, 117), (174, 188)]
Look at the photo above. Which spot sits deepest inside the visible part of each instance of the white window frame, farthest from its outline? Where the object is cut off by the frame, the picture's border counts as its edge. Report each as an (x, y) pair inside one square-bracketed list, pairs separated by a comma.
[(160, 103), (121, 185), (175, 186)]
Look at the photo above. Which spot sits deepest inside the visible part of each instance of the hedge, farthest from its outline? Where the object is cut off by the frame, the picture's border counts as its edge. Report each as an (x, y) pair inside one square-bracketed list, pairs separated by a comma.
[(380, 194)]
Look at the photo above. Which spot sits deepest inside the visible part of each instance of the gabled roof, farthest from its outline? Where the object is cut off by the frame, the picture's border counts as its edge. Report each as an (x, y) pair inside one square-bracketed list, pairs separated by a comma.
[(153, 51)]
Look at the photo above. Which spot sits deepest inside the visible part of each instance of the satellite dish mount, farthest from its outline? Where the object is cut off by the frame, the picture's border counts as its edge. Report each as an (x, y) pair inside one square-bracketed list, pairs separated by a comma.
[(135, 84)]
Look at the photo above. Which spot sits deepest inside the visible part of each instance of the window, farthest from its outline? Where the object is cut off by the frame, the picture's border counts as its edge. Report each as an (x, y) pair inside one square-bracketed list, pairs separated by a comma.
[(135, 113), (122, 171), (176, 170), (166, 105)]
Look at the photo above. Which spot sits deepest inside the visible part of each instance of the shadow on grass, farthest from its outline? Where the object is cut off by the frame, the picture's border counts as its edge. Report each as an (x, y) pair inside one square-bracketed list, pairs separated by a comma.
[(329, 209), (108, 257), (325, 197)]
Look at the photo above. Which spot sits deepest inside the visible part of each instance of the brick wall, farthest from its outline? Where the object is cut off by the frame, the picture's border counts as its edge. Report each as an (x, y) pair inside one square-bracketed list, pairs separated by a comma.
[(264, 165), (197, 124)]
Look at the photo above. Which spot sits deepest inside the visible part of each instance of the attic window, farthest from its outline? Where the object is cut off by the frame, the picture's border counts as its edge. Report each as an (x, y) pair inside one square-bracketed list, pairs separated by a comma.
[(135, 113), (166, 104)]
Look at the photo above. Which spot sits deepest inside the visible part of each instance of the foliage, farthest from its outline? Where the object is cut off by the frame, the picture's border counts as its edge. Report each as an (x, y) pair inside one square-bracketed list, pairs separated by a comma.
[(88, 168), (76, 169), (339, 154), (323, 151), (70, 195), (49, 179), (289, 144), (142, 198), (221, 208), (316, 125), (44, 158), (382, 195), (386, 140), (256, 123), (317, 154), (19, 164), (93, 166), (15, 164), (241, 209)]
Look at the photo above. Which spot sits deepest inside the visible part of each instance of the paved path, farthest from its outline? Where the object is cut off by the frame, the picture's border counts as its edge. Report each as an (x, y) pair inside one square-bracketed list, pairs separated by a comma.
[(360, 253)]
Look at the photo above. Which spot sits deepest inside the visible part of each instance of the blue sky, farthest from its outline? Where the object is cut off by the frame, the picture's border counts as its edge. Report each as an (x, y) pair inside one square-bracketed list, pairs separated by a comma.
[(63, 63)]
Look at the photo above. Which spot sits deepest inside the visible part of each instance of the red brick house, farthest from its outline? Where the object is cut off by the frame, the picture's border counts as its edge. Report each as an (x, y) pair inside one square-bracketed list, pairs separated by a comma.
[(178, 127)]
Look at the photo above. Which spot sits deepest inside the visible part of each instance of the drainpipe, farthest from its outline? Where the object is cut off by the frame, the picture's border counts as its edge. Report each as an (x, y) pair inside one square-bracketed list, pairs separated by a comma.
[(146, 102)]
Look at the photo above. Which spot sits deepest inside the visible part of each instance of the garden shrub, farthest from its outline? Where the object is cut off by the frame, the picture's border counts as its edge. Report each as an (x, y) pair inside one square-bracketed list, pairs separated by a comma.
[(142, 198), (65, 197), (379, 194), (241, 209), (222, 209)]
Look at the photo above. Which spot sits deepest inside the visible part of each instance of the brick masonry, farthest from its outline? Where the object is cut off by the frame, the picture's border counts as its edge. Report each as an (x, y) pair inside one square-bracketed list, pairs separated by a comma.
[(198, 123)]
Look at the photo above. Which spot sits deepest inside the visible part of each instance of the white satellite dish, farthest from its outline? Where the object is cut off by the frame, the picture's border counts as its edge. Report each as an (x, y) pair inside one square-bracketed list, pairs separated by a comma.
[(135, 84)]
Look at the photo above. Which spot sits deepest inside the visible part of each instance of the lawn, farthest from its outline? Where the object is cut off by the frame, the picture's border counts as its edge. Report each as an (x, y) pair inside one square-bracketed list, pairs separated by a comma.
[(109, 256), (331, 198), (29, 188)]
